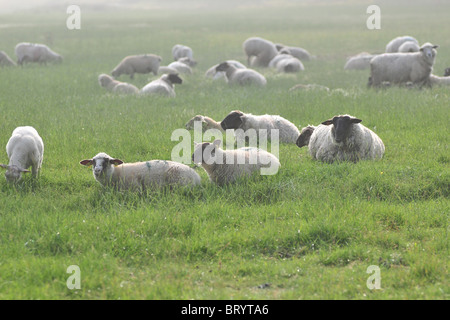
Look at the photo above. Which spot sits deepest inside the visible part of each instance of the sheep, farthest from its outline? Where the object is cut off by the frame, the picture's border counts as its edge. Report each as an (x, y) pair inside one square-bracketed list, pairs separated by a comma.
[(226, 166), (164, 85), (259, 51), (35, 52), (400, 68), (112, 172), (5, 60), (409, 46), (436, 80), (299, 53), (447, 72), (241, 76), (143, 63), (182, 51), (207, 123), (116, 86), (25, 148), (395, 43), (341, 138), (284, 62), (360, 61), (212, 73), (181, 67), (287, 131)]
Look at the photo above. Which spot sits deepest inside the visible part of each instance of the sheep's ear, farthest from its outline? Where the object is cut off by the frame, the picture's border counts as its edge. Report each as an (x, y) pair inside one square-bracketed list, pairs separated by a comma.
[(435, 46), (355, 120), (115, 162), (217, 143), (87, 162), (328, 122)]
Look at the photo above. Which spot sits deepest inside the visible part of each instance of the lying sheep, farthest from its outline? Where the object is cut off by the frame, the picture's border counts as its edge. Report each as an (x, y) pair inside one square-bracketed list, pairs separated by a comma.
[(299, 53), (395, 43), (409, 46), (143, 63), (259, 51), (163, 85), (5, 60), (284, 62), (400, 68), (181, 67), (226, 166), (25, 148), (116, 86), (212, 73), (360, 61), (241, 76), (181, 51), (113, 172), (341, 138), (440, 81), (207, 123), (287, 131), (34, 52)]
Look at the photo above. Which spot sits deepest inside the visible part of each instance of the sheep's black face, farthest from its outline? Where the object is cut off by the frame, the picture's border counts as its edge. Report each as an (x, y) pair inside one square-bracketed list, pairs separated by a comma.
[(174, 78), (342, 126), (305, 135), (232, 121), (222, 67), (447, 72)]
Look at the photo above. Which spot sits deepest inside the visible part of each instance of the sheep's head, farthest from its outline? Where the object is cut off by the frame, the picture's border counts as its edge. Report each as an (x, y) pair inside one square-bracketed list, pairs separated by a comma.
[(174, 78), (205, 152), (447, 72), (104, 80), (102, 165), (342, 126), (197, 118), (305, 135), (223, 67), (429, 52), (233, 120), (13, 173)]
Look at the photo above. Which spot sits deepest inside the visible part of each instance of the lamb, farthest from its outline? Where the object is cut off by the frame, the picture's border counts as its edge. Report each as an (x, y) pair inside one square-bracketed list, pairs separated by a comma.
[(5, 60), (112, 172), (163, 85), (287, 131), (299, 53), (395, 44), (400, 68), (241, 76), (181, 67), (181, 51), (259, 51), (34, 52), (116, 86), (409, 46), (25, 148), (143, 63), (360, 61), (207, 123), (284, 62), (212, 73), (226, 166), (442, 81), (341, 138)]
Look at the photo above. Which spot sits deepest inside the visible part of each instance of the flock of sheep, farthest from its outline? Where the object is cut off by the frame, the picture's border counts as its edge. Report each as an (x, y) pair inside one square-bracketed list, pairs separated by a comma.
[(340, 138)]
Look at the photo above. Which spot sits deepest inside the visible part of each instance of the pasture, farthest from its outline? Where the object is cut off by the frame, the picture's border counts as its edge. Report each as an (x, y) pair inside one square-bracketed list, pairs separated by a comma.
[(308, 232)]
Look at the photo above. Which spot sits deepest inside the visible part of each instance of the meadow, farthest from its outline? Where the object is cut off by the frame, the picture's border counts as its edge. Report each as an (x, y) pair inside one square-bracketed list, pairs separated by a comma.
[(309, 232)]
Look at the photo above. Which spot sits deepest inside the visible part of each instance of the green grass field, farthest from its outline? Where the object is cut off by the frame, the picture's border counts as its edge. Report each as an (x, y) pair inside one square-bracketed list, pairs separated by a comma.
[(309, 232)]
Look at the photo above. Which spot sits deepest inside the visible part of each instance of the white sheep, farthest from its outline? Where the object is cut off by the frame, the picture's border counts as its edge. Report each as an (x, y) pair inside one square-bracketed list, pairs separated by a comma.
[(395, 43), (299, 53), (143, 63), (212, 73), (259, 51), (241, 76), (164, 85), (226, 166), (400, 68), (5, 60), (287, 131), (35, 52), (284, 62), (25, 148), (360, 61), (440, 81), (409, 46), (181, 67), (181, 51), (206, 122), (113, 172), (116, 86), (341, 138)]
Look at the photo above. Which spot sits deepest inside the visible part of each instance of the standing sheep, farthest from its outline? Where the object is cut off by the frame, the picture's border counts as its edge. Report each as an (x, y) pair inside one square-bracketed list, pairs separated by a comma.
[(34, 52), (341, 138), (25, 148), (226, 166), (144, 63), (116, 86), (163, 85), (5, 60), (207, 123), (241, 76), (395, 44), (287, 131), (113, 172), (259, 51), (400, 68)]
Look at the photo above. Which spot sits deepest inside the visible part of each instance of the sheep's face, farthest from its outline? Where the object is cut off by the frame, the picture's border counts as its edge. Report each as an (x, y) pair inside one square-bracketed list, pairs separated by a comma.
[(174, 78), (429, 52), (13, 173), (104, 80), (342, 126), (305, 135), (232, 121), (205, 153), (102, 165), (447, 72), (223, 66)]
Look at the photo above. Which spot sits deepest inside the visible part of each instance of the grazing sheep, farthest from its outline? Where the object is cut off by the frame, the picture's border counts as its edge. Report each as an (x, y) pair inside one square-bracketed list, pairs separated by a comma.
[(163, 85), (299, 53), (5, 60), (440, 81), (113, 172), (181, 67), (395, 43), (447, 72), (181, 51), (207, 123), (287, 131), (341, 138), (212, 73), (409, 46), (226, 166), (400, 68), (25, 148), (241, 76), (34, 52), (143, 63), (360, 61), (259, 51), (116, 86)]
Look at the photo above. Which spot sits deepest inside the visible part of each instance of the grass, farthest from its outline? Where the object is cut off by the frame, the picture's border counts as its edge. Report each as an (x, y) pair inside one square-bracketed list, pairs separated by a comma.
[(309, 232)]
